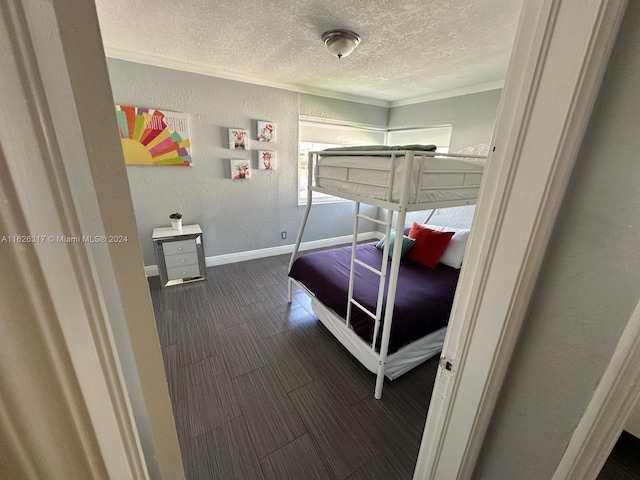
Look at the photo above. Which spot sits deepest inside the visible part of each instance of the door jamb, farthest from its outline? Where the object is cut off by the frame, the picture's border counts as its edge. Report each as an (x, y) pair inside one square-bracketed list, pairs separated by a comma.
[(538, 132)]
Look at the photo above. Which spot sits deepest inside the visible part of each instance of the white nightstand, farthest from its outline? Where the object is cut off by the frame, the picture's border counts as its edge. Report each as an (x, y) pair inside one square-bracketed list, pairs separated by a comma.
[(180, 254)]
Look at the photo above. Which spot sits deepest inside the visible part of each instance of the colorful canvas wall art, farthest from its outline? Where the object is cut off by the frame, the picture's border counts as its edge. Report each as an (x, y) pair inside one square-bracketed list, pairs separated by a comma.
[(266, 160), (238, 139), (154, 137), (240, 169), (266, 131)]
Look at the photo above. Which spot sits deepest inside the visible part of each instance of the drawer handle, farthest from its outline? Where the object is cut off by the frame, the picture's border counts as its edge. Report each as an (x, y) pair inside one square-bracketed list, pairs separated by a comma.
[(182, 261), (184, 273), (179, 248)]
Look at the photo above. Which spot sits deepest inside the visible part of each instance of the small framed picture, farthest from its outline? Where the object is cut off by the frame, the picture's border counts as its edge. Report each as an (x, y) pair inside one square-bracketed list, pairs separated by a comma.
[(238, 139), (266, 131), (240, 169), (266, 160)]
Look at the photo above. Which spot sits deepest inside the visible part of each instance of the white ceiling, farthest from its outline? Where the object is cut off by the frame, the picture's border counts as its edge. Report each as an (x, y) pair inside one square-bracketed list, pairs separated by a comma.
[(411, 50)]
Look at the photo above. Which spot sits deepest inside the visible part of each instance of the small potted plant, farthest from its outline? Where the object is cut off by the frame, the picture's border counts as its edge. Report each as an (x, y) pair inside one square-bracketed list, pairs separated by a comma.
[(176, 221)]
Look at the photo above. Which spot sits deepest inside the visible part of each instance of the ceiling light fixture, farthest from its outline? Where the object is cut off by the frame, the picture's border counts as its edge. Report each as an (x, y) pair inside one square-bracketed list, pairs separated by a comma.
[(340, 42)]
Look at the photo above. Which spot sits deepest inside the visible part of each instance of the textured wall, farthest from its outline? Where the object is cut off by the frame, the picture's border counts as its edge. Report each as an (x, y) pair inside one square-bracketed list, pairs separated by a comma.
[(235, 216), (587, 289), (472, 117)]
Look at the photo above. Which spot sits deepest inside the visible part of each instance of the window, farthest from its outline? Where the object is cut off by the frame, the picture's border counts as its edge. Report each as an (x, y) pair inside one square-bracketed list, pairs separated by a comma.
[(303, 174), (317, 134), (438, 135)]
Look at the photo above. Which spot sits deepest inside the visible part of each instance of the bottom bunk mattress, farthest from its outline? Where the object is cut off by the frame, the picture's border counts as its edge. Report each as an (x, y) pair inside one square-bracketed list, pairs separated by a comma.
[(424, 296)]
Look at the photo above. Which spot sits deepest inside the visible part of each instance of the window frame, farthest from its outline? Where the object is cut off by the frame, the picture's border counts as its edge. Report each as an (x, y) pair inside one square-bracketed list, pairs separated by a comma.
[(317, 198), (363, 130)]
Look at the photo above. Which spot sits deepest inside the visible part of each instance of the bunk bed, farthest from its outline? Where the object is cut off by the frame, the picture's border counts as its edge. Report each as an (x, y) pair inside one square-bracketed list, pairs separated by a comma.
[(367, 298)]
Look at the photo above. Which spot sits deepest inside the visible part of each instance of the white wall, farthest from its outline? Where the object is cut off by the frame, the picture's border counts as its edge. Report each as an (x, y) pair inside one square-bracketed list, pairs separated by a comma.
[(472, 116), (235, 216), (587, 289)]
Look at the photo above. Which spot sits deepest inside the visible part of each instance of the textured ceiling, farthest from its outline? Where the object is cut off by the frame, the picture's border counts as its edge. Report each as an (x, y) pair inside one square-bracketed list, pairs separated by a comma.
[(410, 49)]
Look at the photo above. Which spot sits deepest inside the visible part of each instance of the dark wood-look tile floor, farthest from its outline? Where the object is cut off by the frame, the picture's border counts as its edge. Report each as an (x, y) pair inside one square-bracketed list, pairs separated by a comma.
[(261, 390)]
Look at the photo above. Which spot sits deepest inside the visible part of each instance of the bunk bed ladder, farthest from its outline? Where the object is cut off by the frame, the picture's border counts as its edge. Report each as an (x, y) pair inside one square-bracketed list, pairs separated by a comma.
[(382, 273)]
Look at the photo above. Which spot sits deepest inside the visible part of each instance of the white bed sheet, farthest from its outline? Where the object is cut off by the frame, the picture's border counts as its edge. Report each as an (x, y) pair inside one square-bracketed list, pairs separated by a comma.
[(368, 176)]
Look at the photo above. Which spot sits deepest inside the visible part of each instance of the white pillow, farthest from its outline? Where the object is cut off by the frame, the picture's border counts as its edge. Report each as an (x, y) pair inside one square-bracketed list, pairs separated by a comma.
[(452, 256), (480, 149)]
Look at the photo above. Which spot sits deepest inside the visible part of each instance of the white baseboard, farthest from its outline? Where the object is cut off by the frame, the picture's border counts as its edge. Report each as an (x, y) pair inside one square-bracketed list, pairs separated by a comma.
[(152, 270)]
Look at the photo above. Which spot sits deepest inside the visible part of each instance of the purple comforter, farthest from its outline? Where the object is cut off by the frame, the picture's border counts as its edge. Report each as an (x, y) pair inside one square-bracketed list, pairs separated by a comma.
[(423, 299)]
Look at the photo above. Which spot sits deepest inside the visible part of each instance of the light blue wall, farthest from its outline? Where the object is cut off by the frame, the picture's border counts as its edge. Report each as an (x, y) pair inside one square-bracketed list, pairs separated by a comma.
[(236, 216)]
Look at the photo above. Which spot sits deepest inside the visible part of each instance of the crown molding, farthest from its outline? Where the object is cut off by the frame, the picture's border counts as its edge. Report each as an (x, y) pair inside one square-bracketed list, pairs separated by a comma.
[(202, 69), (454, 92)]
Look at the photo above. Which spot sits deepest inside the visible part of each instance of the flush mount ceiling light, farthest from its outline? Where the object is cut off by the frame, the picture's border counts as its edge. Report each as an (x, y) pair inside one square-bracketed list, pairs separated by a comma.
[(340, 42)]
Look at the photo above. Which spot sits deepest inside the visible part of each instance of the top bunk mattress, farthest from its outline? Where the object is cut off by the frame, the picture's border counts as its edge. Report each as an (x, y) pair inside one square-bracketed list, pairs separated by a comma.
[(433, 179)]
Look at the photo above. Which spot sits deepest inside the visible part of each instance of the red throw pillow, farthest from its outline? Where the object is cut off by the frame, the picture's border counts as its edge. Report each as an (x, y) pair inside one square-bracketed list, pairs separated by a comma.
[(430, 244)]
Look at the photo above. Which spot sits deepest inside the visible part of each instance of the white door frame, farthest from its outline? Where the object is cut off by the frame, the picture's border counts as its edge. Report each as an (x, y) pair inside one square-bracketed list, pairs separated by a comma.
[(63, 358), (559, 57), (605, 417), (84, 393)]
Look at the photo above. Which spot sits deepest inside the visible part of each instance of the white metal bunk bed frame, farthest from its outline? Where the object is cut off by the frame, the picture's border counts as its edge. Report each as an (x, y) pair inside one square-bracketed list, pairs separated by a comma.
[(417, 352)]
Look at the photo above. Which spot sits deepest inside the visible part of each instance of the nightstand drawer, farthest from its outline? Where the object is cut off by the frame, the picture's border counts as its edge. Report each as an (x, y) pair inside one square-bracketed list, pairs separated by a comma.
[(181, 260), (181, 246), (183, 272)]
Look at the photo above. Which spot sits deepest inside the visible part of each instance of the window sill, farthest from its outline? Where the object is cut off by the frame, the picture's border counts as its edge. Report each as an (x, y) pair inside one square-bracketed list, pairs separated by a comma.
[(302, 202)]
